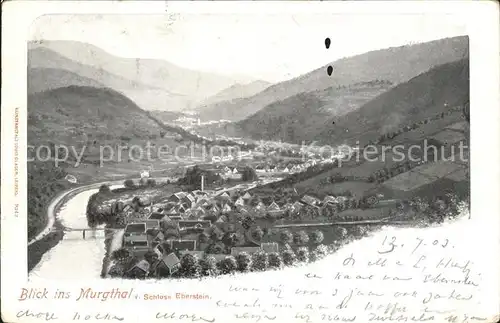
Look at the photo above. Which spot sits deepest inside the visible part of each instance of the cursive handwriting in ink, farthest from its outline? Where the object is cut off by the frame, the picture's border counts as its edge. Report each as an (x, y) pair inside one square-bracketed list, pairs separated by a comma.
[(47, 316), (178, 317)]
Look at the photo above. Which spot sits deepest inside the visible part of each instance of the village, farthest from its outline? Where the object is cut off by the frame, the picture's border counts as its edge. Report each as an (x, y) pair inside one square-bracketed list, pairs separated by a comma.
[(224, 222)]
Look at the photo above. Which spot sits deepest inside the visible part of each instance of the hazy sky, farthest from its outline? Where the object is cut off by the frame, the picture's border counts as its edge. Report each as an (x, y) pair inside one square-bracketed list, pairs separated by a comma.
[(268, 47)]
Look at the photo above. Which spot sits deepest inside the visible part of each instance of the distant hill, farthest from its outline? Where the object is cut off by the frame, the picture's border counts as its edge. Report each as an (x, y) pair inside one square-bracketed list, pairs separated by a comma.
[(43, 79), (397, 65), (170, 81), (81, 113), (147, 97), (236, 91), (296, 117), (443, 87)]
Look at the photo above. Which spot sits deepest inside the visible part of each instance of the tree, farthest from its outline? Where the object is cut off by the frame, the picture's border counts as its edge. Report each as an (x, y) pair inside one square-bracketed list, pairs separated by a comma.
[(116, 271), (203, 237), (275, 260), (320, 252), (248, 174), (288, 257), (257, 233), (121, 256), (151, 182), (248, 222), (260, 261), (316, 237), (129, 183), (303, 254), (229, 239), (341, 233), (228, 265), (300, 238), (190, 266), (244, 262), (151, 257), (208, 266), (216, 235), (104, 189), (286, 237), (215, 248)]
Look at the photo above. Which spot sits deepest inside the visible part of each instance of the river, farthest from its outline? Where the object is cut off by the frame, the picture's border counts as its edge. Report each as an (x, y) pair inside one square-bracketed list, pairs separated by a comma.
[(73, 257)]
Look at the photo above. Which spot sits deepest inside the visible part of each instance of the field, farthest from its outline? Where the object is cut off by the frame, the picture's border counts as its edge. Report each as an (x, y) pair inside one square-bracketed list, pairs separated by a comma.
[(438, 169), (424, 130), (357, 188), (449, 137), (459, 175), (375, 163), (407, 181), (459, 126)]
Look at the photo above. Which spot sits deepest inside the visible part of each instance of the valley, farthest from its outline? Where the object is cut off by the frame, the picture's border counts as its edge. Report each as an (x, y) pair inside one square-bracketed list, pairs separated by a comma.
[(228, 176)]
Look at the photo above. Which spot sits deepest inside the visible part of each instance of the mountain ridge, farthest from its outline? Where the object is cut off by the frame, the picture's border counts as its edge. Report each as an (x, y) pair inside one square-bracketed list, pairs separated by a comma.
[(395, 64)]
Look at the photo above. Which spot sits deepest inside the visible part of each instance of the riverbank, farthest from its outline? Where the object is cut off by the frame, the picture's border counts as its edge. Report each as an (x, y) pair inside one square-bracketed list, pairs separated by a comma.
[(49, 238)]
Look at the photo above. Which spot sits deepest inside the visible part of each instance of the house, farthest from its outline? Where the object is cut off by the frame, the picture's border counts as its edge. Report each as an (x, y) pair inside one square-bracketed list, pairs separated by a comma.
[(307, 199), (260, 207), (138, 245), (247, 196), (273, 207), (144, 174), (173, 211), (157, 238), (70, 178), (189, 200), (250, 250), (150, 223), (213, 209), (285, 170), (198, 211), (235, 171), (297, 206), (177, 197), (194, 224), (223, 196), (226, 209), (330, 199), (239, 202), (168, 264), (260, 169), (181, 245), (135, 229), (140, 270), (269, 247), (171, 233), (175, 217), (156, 216)]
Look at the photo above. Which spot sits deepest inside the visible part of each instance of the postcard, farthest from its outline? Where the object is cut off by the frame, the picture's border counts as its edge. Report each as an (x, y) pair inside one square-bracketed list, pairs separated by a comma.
[(247, 162)]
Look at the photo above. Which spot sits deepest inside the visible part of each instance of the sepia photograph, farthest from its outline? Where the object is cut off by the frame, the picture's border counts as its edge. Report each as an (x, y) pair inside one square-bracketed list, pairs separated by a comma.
[(255, 162)]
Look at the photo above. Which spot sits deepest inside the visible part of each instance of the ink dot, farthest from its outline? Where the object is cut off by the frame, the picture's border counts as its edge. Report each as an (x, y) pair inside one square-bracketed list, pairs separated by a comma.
[(327, 43), (329, 70)]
